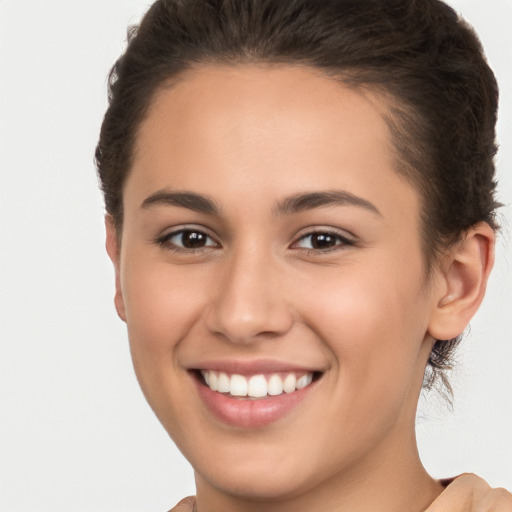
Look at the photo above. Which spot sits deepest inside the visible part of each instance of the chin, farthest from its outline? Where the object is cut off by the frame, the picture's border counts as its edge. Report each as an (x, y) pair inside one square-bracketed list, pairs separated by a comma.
[(259, 484)]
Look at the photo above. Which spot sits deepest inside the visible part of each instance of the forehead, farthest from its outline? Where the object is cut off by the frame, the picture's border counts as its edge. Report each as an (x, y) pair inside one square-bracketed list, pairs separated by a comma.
[(272, 129), (253, 101)]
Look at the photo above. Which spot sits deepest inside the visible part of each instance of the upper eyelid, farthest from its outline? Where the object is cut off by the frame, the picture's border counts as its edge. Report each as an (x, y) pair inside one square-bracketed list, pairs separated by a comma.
[(344, 240), (313, 230), (303, 233), (187, 227), (166, 235)]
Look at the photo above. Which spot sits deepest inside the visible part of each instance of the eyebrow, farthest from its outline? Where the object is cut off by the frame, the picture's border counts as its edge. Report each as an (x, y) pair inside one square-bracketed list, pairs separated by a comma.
[(293, 204), (190, 200), (308, 201)]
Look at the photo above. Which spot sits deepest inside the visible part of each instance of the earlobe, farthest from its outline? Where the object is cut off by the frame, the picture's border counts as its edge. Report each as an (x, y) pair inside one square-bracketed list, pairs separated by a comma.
[(113, 251), (464, 278)]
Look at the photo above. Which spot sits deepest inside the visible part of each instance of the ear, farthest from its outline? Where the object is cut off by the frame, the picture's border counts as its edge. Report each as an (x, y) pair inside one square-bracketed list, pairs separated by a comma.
[(463, 277), (113, 250)]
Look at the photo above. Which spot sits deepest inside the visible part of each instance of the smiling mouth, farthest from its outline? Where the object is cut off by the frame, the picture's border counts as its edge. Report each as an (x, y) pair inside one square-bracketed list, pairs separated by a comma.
[(256, 386)]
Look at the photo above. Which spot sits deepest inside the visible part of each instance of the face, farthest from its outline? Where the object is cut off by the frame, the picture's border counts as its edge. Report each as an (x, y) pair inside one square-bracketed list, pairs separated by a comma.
[(269, 247)]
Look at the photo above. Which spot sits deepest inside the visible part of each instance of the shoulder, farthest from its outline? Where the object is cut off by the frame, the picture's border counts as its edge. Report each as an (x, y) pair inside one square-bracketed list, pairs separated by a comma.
[(469, 492), (185, 505)]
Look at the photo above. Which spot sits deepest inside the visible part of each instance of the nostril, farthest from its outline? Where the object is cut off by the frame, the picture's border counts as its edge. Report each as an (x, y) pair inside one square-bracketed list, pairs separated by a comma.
[(246, 310)]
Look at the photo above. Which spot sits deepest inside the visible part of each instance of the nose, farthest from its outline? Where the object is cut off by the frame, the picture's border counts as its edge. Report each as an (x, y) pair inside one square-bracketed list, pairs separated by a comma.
[(251, 300)]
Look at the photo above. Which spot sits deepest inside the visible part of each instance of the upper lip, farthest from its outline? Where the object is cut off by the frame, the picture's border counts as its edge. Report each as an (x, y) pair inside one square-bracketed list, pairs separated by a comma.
[(244, 367)]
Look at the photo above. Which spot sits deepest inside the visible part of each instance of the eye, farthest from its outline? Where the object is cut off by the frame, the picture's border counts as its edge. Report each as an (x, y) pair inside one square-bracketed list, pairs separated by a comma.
[(187, 240), (322, 241)]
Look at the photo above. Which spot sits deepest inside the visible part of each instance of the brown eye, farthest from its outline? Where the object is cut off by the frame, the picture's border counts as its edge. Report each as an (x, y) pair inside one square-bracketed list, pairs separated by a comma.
[(322, 241), (193, 239), (188, 239)]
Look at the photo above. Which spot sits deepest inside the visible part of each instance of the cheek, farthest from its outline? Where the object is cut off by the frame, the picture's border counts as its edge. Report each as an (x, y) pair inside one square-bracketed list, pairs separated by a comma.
[(373, 318), (161, 306)]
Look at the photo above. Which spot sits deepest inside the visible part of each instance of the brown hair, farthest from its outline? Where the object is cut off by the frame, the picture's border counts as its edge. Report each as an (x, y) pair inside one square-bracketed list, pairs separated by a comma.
[(441, 94)]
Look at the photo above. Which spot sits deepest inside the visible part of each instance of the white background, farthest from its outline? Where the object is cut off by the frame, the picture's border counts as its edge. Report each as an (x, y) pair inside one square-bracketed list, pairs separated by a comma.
[(75, 432)]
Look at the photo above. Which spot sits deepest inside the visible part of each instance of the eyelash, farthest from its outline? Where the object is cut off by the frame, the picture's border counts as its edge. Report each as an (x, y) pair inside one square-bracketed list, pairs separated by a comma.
[(341, 241), (165, 241)]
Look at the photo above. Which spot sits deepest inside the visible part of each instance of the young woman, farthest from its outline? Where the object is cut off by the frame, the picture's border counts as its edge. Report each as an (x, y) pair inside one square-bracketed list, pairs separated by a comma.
[(301, 215)]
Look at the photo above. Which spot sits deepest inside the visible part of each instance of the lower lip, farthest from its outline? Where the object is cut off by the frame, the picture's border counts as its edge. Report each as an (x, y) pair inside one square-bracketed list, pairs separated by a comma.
[(250, 413)]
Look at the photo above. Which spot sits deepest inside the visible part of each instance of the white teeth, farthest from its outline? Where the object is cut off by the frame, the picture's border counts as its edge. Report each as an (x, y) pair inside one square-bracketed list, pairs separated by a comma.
[(256, 386), (238, 385), (289, 383), (223, 383), (275, 385), (214, 381), (303, 381)]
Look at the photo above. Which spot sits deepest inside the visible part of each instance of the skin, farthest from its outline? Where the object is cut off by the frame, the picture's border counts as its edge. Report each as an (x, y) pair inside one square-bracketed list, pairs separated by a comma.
[(470, 493), (362, 312)]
